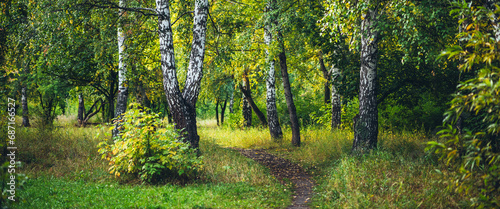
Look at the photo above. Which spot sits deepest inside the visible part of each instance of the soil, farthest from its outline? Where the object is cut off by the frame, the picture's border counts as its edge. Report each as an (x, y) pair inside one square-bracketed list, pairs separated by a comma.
[(286, 172)]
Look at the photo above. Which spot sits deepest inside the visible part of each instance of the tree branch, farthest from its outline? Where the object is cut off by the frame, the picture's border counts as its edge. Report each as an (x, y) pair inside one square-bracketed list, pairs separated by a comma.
[(110, 5)]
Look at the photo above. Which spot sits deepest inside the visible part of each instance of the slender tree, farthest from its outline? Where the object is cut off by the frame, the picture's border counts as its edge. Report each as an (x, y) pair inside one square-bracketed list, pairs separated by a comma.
[(326, 76), (366, 125), (24, 101), (292, 112), (336, 103), (247, 93), (183, 104), (246, 109), (121, 101), (24, 97), (272, 112)]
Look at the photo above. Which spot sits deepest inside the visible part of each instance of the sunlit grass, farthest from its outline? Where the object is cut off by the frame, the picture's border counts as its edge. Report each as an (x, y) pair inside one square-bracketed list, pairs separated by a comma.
[(238, 138), (398, 174), (65, 170)]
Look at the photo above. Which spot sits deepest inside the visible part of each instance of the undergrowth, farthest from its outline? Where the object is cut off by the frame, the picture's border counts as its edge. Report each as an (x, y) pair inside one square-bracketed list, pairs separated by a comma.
[(65, 170), (398, 174)]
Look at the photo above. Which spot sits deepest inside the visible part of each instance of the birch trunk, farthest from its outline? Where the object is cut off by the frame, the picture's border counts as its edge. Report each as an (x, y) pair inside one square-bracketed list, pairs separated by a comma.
[(272, 111), (231, 102), (366, 127), (24, 102), (336, 109), (24, 97), (183, 104), (121, 101), (81, 109)]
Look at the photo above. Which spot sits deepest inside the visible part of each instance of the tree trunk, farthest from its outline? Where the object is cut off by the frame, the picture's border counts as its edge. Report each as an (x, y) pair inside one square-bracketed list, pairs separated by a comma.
[(292, 112), (326, 76), (247, 111), (272, 111), (223, 110), (24, 96), (121, 101), (24, 102), (183, 104), (231, 102), (81, 109), (366, 129), (247, 92), (336, 109), (141, 95), (217, 111), (110, 97)]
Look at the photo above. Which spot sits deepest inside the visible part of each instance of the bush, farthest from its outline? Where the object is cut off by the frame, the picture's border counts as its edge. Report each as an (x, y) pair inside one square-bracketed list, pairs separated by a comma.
[(475, 154), (149, 150)]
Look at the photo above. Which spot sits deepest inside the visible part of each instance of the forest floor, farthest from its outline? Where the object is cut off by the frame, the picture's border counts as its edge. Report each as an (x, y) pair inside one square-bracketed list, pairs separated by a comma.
[(286, 172)]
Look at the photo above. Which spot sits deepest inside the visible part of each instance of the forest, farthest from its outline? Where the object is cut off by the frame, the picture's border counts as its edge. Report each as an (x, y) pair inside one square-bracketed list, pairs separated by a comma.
[(250, 104)]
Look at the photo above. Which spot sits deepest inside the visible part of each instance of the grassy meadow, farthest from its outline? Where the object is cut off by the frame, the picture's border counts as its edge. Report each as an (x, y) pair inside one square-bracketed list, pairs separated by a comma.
[(65, 170)]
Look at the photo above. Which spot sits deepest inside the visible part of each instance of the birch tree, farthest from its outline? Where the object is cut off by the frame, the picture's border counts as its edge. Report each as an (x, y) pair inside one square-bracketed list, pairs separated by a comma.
[(272, 112), (121, 101), (183, 103), (366, 124)]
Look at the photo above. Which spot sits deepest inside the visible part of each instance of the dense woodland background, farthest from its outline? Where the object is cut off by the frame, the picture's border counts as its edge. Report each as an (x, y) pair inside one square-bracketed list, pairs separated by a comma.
[(420, 77)]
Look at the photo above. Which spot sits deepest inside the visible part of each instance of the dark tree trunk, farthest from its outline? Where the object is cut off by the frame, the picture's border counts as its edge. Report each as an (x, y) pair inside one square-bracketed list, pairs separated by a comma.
[(288, 94), (141, 95), (247, 92), (217, 111), (110, 97), (247, 111), (326, 76), (183, 104), (24, 102), (272, 111), (223, 110), (366, 127), (81, 110)]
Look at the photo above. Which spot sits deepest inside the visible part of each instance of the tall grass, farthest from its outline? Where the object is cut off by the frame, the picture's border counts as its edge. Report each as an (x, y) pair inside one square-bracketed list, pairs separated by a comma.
[(65, 170), (398, 174), (67, 151)]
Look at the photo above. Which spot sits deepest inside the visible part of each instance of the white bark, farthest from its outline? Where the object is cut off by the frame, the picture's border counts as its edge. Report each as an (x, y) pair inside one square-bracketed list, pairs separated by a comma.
[(195, 68), (121, 102), (272, 112), (183, 105), (366, 126)]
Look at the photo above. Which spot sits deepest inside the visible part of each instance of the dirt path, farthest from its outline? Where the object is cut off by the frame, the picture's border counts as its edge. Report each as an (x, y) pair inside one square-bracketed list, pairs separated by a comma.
[(283, 169)]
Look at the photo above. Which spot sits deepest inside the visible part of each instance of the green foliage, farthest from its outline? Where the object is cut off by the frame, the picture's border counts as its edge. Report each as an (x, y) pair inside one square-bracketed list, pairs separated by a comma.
[(349, 110), (426, 114), (149, 148), (475, 153)]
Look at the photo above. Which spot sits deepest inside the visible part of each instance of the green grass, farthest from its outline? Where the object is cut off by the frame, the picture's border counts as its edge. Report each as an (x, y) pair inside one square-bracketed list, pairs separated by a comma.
[(50, 192), (66, 171), (399, 174)]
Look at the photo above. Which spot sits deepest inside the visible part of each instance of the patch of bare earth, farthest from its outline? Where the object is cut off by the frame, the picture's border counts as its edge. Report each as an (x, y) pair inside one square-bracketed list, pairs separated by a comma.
[(285, 171)]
